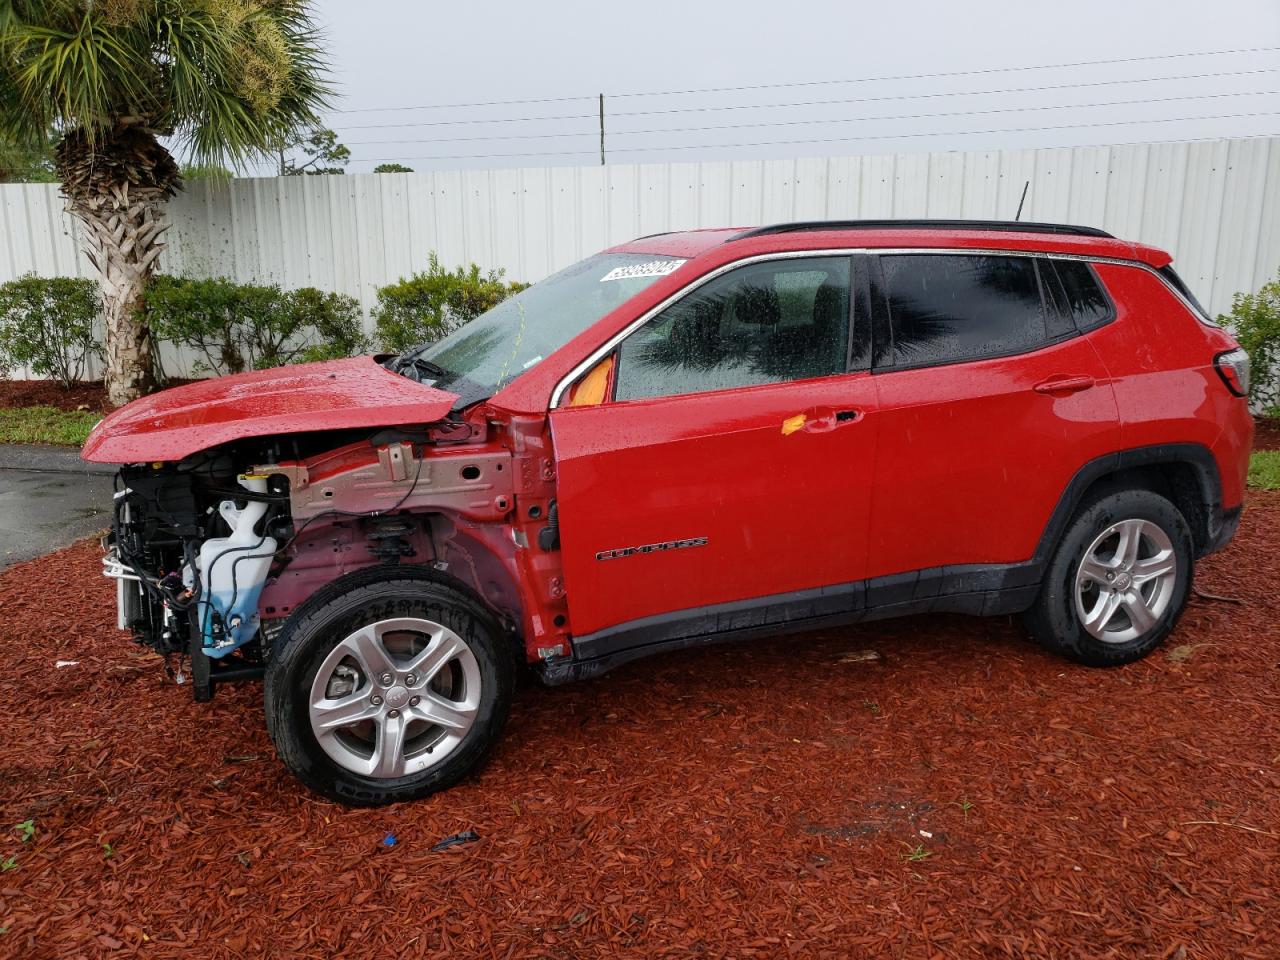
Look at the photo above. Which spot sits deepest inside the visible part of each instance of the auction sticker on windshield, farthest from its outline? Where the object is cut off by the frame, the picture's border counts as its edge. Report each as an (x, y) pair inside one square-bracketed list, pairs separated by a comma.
[(652, 268)]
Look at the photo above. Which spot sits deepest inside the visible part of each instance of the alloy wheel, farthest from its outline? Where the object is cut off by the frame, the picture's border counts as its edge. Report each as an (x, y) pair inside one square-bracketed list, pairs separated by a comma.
[(395, 697), (1125, 581)]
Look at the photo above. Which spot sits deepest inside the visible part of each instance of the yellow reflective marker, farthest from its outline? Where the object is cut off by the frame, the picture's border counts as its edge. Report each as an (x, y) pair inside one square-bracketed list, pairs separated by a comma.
[(792, 424)]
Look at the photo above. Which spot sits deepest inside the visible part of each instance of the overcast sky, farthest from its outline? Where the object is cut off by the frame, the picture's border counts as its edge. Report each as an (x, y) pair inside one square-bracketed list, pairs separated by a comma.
[(390, 55)]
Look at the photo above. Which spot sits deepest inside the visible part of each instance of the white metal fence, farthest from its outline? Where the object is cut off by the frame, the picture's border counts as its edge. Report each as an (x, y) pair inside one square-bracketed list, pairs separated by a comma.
[(1215, 205)]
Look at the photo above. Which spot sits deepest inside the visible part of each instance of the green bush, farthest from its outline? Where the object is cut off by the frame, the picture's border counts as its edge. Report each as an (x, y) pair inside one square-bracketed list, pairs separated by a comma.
[(1255, 321), (46, 323), (427, 306), (243, 326)]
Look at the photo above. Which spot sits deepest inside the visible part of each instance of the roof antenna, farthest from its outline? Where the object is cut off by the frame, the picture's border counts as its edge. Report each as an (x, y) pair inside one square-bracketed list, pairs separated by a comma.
[(1025, 187)]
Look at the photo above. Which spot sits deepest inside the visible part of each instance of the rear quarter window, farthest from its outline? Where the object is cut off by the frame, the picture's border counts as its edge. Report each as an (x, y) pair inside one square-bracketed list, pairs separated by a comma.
[(1081, 294)]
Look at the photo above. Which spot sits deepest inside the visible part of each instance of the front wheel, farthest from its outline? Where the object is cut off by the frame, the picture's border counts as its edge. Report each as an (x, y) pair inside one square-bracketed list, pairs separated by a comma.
[(387, 689), (1118, 581)]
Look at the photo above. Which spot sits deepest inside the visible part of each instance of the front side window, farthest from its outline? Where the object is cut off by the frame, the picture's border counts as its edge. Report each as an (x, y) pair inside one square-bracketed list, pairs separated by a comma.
[(769, 322), (945, 308)]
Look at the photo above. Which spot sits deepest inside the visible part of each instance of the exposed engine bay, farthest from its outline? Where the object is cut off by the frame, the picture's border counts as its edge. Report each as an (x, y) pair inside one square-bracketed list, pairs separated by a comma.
[(213, 553), (190, 549)]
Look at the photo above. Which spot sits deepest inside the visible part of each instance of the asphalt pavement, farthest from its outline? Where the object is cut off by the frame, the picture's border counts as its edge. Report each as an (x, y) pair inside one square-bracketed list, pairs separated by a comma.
[(49, 498)]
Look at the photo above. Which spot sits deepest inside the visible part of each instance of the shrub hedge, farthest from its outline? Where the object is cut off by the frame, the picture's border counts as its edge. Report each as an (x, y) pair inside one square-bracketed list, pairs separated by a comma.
[(426, 306), (233, 327), (47, 324)]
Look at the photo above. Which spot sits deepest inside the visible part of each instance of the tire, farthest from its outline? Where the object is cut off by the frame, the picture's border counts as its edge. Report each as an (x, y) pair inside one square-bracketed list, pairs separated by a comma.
[(359, 726), (1087, 572)]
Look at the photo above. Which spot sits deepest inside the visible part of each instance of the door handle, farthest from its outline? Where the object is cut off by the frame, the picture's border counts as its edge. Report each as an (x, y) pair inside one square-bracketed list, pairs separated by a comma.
[(819, 420), (1064, 384)]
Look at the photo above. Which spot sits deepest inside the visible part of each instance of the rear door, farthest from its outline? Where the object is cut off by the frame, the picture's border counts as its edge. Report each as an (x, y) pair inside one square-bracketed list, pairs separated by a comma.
[(732, 457), (990, 400)]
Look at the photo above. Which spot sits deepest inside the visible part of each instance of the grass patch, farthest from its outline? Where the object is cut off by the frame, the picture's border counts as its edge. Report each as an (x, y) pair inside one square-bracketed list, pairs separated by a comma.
[(1264, 470), (46, 425)]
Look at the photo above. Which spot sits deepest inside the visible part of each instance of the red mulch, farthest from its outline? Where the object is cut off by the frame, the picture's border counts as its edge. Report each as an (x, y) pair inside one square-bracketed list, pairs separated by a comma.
[(1266, 433), (758, 800), (49, 393)]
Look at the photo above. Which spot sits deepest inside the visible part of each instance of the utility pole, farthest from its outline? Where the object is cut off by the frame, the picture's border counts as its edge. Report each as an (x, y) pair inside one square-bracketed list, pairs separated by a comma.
[(602, 129)]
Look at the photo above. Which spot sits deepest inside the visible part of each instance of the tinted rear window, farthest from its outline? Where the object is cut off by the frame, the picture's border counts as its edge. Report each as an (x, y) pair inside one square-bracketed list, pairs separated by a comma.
[(944, 308)]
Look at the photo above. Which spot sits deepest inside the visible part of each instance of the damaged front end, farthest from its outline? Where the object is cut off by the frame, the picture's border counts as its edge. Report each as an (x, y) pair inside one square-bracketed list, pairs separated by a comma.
[(212, 554), (190, 549)]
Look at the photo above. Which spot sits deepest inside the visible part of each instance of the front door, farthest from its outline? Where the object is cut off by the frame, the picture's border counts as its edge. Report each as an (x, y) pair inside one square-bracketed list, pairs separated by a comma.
[(730, 459)]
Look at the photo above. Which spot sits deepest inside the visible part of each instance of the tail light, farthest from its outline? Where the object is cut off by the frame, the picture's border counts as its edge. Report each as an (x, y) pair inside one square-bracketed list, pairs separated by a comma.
[(1233, 368)]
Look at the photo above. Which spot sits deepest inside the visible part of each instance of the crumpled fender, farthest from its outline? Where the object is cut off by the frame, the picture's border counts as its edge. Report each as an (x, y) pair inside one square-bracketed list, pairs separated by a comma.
[(333, 395)]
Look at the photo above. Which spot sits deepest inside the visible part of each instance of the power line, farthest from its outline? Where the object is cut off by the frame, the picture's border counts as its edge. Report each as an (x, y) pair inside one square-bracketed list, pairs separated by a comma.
[(797, 123), (783, 143), (451, 123), (959, 113), (948, 93), (954, 73), (813, 103), (478, 103), (814, 83)]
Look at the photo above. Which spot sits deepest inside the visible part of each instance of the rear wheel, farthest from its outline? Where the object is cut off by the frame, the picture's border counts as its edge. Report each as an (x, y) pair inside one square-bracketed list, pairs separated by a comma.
[(387, 690), (1117, 582)]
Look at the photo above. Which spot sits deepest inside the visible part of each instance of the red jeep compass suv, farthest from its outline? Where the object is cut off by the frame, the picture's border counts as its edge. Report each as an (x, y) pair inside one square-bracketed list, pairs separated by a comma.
[(685, 437)]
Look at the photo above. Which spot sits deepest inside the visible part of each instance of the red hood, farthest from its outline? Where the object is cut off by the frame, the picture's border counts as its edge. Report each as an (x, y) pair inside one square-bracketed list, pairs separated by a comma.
[(335, 395)]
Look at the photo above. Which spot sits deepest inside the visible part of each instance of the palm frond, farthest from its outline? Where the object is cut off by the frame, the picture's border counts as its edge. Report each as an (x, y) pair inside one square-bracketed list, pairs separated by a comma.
[(228, 81), (87, 77)]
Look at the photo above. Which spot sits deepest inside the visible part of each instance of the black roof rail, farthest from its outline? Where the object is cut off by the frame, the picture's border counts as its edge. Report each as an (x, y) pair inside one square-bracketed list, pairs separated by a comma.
[(998, 226)]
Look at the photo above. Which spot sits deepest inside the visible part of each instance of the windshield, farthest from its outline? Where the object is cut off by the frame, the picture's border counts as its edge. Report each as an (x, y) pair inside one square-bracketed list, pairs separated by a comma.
[(480, 358)]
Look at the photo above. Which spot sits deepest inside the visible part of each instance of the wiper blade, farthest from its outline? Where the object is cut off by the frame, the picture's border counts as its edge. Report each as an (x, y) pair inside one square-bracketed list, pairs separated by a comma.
[(426, 366), (413, 365)]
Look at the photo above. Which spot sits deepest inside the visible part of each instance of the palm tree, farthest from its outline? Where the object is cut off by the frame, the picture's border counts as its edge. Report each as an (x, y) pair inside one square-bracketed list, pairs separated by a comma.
[(223, 80)]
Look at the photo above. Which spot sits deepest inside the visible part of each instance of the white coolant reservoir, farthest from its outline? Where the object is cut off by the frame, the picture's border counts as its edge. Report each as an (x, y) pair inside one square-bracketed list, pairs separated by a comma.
[(233, 570)]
